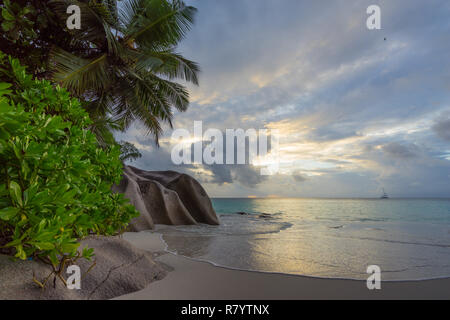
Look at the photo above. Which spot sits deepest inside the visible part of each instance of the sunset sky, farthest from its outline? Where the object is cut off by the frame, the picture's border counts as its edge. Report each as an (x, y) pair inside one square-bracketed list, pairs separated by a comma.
[(356, 112)]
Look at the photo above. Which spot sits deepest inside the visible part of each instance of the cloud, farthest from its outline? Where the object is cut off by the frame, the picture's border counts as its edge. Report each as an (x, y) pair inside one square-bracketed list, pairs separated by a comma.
[(154, 158), (354, 111), (299, 177), (399, 151), (220, 174), (247, 175), (331, 133), (442, 127)]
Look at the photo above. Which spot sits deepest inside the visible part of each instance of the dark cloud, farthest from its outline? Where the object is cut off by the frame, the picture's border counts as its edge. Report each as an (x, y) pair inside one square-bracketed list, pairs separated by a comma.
[(247, 175), (442, 128), (329, 133), (221, 174), (146, 141), (299, 177), (159, 159), (400, 151)]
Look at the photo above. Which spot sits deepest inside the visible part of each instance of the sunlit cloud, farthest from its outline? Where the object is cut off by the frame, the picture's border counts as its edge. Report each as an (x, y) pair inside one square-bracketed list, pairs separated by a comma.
[(354, 112)]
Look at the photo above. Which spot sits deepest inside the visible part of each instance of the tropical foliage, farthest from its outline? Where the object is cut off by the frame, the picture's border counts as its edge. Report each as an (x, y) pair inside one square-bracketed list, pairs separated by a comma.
[(128, 152), (55, 181), (123, 61), (58, 156), (28, 31)]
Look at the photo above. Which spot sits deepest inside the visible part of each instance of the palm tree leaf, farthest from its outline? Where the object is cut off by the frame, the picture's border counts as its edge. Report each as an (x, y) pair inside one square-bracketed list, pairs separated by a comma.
[(155, 23), (94, 16), (174, 93), (103, 128), (176, 66), (80, 75)]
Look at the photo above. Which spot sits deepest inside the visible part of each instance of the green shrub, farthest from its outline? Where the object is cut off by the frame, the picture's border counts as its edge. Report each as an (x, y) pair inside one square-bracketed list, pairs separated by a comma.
[(55, 181)]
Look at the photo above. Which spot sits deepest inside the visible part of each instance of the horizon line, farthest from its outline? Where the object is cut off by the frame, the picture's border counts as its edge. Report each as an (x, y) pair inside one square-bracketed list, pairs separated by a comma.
[(337, 198)]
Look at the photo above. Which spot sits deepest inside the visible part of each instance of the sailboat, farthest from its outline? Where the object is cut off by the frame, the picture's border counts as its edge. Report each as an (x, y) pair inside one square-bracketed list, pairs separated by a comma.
[(384, 196)]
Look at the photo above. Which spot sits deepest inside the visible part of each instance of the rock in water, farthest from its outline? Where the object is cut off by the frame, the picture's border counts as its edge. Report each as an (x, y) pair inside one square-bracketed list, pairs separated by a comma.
[(165, 197)]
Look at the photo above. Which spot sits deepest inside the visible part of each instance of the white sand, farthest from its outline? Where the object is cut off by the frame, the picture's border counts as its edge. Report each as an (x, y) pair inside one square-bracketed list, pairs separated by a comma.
[(194, 280)]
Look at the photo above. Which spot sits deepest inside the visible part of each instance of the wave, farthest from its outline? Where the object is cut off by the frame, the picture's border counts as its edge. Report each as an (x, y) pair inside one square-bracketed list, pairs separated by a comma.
[(174, 252), (440, 245)]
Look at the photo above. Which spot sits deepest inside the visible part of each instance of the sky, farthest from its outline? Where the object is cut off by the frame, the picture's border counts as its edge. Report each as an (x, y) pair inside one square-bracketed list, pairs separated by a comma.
[(357, 110)]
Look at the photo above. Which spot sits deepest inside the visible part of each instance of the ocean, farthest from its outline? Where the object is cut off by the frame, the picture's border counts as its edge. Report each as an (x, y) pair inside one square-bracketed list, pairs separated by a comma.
[(409, 239)]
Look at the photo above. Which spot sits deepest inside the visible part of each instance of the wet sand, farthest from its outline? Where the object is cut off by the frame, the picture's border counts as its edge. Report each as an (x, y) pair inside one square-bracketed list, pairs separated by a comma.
[(196, 280)]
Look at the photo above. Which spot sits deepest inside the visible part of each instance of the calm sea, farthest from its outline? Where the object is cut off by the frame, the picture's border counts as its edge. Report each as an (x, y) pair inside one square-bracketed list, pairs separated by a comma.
[(339, 238)]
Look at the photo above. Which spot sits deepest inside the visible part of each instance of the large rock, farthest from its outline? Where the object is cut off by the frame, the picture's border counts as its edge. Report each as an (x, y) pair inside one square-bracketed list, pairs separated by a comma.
[(120, 269), (165, 197)]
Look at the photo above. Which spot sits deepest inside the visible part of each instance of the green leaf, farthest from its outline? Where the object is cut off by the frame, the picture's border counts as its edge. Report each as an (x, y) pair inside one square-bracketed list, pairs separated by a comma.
[(53, 258), (41, 225), (15, 192), (69, 247), (4, 85), (69, 195), (20, 252), (7, 15), (7, 25), (29, 193), (88, 253), (4, 134), (45, 236), (44, 245), (14, 243), (17, 151), (8, 213)]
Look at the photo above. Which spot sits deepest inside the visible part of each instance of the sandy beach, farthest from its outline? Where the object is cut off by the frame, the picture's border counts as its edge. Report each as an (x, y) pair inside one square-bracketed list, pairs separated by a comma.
[(196, 280)]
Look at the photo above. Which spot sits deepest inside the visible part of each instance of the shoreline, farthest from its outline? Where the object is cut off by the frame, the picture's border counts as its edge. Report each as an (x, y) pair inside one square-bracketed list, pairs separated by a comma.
[(281, 273), (193, 279)]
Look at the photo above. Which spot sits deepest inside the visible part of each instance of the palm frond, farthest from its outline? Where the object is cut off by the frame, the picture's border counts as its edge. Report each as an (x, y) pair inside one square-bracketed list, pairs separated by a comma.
[(176, 66), (157, 24), (80, 75), (103, 128), (94, 15), (176, 94)]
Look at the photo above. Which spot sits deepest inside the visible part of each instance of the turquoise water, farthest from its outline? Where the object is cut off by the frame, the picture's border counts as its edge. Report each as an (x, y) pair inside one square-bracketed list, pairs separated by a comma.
[(339, 238)]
